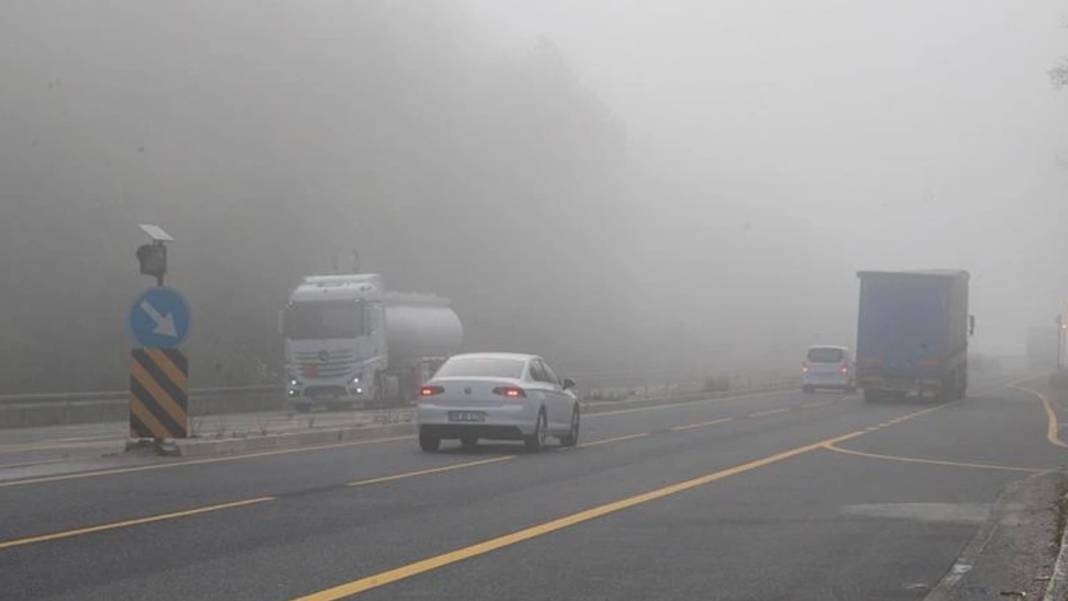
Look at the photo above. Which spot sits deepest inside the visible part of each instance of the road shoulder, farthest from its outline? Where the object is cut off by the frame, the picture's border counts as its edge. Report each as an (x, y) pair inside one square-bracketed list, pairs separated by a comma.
[(1013, 553)]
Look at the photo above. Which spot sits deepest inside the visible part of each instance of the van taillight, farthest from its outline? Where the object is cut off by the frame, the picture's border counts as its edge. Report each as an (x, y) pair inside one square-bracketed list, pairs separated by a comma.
[(512, 392), (431, 390)]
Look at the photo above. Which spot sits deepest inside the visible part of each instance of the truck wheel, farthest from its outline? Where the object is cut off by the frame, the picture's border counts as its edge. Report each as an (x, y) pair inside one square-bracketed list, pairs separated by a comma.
[(428, 442), (536, 441), (872, 396)]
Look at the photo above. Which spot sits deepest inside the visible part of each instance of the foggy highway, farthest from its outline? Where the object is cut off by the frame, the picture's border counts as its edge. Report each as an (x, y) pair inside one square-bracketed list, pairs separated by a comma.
[(773, 496), (534, 299)]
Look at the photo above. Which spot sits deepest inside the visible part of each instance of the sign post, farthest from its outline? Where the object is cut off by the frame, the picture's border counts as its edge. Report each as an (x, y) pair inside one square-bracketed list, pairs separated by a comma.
[(158, 321)]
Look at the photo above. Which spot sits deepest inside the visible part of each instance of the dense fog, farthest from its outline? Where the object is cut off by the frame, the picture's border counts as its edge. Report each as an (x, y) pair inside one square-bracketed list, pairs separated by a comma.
[(619, 186)]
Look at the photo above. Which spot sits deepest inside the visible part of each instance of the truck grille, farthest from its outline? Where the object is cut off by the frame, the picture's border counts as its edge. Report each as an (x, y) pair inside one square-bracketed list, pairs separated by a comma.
[(324, 364)]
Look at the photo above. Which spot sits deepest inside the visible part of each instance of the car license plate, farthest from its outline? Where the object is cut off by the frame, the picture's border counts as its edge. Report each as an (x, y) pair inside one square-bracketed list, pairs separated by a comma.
[(467, 416)]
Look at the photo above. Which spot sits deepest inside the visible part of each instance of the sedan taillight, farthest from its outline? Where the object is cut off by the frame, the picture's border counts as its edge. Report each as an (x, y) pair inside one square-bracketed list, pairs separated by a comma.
[(512, 392), (431, 390)]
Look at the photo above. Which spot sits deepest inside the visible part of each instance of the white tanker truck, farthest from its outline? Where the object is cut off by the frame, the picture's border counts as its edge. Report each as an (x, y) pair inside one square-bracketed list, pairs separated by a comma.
[(349, 342)]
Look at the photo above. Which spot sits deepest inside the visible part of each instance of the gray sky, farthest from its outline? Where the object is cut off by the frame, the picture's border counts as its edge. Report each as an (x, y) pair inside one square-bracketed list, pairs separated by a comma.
[(846, 134)]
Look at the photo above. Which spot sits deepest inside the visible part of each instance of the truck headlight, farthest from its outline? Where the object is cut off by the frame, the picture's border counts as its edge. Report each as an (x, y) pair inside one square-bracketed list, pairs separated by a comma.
[(355, 379), (293, 382)]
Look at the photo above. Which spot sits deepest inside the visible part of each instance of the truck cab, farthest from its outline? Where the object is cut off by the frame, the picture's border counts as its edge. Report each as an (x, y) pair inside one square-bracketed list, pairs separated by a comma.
[(349, 342), (335, 344)]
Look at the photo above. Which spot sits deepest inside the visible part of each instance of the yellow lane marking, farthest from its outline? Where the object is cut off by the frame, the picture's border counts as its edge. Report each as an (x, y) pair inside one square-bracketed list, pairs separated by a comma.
[(433, 470), (815, 405), (770, 412), (127, 523), (594, 443), (433, 563), (1053, 429), (701, 424), (161, 466), (200, 510), (837, 449)]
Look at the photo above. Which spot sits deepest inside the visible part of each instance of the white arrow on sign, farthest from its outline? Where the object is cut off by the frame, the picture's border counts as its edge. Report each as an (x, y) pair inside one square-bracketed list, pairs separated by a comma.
[(164, 325)]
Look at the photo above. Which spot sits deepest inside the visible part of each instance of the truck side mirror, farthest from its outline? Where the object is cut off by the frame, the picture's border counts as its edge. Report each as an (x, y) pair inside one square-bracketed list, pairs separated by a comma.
[(568, 383), (971, 325)]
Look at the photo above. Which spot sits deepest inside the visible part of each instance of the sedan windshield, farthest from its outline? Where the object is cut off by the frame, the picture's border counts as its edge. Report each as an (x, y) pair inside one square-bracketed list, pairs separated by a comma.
[(481, 367)]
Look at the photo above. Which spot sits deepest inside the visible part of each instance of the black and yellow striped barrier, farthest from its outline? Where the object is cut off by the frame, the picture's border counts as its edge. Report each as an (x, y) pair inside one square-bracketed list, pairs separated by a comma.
[(159, 394)]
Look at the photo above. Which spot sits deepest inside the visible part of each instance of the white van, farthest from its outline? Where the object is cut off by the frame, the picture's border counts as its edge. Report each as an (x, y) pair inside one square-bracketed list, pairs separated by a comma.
[(828, 367)]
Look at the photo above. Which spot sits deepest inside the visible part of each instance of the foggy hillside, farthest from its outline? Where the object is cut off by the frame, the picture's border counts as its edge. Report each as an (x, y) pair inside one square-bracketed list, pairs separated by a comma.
[(269, 139), (620, 186)]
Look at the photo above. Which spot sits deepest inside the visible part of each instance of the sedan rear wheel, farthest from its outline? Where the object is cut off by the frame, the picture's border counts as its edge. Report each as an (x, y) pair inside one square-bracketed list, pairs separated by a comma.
[(428, 442), (536, 441)]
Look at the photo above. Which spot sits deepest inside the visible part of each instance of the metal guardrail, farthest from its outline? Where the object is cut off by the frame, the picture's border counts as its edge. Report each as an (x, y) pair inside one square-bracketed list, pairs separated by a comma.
[(604, 382), (60, 398)]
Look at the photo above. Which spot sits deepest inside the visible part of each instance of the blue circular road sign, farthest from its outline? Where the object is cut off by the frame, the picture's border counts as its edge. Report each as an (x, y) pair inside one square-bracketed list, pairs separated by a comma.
[(159, 318)]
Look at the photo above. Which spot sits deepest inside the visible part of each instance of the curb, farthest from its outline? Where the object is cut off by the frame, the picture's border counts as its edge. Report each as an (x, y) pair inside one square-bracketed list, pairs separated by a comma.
[(203, 448), (947, 588), (1056, 587), (199, 448)]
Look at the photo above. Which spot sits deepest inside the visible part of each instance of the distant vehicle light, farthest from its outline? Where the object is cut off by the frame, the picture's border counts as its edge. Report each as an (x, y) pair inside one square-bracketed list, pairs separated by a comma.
[(431, 390), (359, 391), (294, 382), (512, 392)]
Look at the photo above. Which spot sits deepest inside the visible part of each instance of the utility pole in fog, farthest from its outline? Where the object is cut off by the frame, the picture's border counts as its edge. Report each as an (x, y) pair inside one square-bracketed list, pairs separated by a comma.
[(1061, 327)]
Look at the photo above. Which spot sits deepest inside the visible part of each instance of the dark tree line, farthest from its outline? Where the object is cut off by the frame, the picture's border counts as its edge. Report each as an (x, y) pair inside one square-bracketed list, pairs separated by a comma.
[(268, 140)]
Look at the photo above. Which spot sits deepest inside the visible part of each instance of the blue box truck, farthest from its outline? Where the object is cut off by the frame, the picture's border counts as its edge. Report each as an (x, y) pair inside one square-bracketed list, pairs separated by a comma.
[(912, 333)]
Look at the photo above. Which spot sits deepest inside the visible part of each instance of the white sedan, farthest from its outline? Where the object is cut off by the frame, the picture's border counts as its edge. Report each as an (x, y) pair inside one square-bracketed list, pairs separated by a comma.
[(502, 396)]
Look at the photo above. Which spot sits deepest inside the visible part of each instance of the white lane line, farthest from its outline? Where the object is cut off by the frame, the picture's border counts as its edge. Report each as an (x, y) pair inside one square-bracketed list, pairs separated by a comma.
[(770, 412), (701, 424), (594, 443)]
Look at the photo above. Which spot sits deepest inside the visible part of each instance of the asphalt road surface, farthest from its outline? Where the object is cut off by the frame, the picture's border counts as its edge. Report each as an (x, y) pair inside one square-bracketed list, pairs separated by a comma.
[(773, 496)]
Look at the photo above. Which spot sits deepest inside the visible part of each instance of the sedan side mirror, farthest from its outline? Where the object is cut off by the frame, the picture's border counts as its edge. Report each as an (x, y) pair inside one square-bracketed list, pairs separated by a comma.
[(568, 383)]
